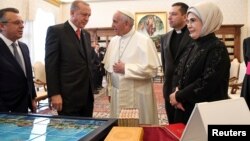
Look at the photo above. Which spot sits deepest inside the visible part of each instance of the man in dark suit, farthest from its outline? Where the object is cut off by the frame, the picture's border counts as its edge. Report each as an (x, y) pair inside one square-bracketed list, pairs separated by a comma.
[(17, 91), (68, 64), (95, 68), (173, 45), (102, 71), (245, 90)]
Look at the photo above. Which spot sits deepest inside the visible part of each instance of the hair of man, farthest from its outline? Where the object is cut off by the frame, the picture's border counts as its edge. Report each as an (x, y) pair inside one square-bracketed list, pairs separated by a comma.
[(183, 7), (4, 11)]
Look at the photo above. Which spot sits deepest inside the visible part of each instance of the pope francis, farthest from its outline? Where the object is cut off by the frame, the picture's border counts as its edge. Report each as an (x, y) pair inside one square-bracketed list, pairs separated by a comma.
[(131, 61)]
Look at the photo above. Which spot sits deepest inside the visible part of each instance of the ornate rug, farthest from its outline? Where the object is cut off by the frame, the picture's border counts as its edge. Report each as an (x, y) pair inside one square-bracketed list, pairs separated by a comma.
[(101, 106)]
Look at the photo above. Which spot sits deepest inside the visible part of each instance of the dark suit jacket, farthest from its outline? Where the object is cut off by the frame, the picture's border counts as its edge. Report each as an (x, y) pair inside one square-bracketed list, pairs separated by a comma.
[(102, 51), (246, 50), (169, 62), (204, 72), (16, 89), (68, 66), (245, 90)]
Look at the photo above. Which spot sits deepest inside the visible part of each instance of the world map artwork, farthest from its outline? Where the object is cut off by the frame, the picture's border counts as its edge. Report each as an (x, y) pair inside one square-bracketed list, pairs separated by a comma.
[(34, 128)]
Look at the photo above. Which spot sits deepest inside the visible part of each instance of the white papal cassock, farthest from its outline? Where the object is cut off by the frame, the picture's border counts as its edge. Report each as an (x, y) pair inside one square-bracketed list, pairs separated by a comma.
[(134, 89)]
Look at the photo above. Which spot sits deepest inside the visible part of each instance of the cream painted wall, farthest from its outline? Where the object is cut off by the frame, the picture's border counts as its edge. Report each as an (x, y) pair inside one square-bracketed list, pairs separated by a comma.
[(102, 12), (27, 8), (234, 11), (21, 5)]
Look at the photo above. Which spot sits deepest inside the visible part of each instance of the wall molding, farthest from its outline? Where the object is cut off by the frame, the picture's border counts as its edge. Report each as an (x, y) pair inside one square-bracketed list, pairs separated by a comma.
[(54, 2)]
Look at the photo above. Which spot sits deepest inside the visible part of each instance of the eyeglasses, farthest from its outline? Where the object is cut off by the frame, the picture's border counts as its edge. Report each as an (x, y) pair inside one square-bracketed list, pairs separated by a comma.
[(18, 22)]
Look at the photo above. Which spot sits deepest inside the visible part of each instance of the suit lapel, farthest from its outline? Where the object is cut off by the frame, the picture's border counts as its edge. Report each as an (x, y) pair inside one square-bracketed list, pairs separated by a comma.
[(5, 51), (72, 35), (246, 49), (86, 45), (25, 54), (7, 54), (168, 51)]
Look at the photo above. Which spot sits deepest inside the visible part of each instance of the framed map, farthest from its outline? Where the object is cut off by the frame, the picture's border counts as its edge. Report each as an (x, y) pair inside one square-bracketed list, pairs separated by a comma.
[(53, 128), (152, 24)]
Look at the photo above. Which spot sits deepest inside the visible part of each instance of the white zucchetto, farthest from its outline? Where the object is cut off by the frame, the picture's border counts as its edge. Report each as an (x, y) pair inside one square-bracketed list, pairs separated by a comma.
[(128, 13)]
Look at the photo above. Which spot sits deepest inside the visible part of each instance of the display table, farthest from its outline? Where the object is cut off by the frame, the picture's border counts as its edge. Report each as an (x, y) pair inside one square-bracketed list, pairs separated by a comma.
[(34, 127)]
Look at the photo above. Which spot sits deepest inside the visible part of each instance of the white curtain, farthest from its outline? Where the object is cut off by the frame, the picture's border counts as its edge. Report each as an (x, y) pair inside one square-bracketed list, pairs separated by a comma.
[(35, 34), (42, 21), (28, 37)]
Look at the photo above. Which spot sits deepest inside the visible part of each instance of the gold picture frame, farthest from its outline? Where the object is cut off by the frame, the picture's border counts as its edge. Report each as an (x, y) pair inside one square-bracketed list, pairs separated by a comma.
[(152, 24), (54, 2)]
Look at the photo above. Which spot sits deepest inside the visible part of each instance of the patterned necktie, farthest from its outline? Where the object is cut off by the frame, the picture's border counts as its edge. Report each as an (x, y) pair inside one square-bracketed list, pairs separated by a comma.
[(16, 54), (78, 33)]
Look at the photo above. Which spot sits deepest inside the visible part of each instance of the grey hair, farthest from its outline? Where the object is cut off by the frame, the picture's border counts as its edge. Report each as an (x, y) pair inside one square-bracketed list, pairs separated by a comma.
[(74, 5)]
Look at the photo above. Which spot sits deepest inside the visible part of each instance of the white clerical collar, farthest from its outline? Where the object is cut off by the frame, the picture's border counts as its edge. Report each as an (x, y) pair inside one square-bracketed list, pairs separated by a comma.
[(130, 33), (178, 31)]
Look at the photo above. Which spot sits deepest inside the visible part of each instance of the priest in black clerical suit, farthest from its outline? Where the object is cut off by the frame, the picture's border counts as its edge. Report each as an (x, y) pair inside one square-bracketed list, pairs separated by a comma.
[(173, 45)]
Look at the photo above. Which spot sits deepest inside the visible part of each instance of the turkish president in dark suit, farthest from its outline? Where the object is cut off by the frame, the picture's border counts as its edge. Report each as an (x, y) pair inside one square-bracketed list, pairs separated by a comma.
[(68, 64), (17, 91)]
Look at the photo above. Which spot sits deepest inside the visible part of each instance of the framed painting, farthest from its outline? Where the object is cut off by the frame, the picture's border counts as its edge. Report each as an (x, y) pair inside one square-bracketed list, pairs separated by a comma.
[(152, 24)]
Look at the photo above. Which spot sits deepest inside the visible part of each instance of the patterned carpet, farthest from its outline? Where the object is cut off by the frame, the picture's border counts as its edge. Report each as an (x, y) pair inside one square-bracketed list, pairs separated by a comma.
[(101, 107)]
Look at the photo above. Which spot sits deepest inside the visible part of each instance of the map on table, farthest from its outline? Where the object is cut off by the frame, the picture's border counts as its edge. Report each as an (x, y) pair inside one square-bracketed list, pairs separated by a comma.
[(15, 127)]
